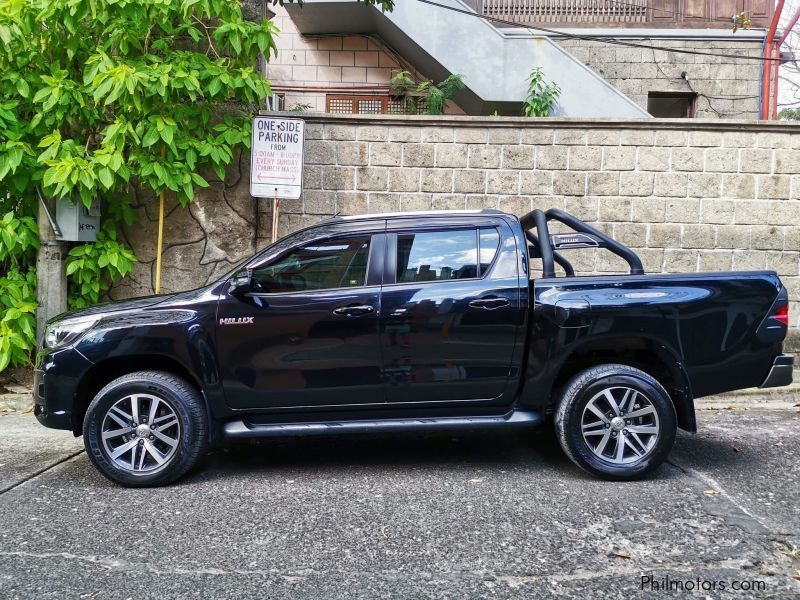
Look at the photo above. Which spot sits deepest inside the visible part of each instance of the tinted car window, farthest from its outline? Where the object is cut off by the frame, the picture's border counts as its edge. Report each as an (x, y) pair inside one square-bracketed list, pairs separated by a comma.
[(489, 241), (329, 264), (437, 256)]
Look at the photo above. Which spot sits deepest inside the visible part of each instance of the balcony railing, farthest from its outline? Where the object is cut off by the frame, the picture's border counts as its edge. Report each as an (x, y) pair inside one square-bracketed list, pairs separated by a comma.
[(567, 11), (626, 13)]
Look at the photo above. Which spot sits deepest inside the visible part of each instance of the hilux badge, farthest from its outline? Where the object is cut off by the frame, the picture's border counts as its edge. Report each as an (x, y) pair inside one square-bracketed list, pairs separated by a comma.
[(236, 320)]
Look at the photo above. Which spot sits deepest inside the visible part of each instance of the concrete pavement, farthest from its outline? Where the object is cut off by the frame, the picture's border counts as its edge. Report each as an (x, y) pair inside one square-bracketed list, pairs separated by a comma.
[(406, 516)]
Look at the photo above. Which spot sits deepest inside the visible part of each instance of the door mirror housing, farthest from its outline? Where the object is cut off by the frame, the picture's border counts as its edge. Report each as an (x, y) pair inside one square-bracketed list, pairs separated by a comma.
[(241, 283)]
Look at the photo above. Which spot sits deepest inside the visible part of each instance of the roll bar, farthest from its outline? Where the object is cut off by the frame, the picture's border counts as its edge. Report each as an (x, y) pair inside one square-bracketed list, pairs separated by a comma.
[(586, 237), (558, 257)]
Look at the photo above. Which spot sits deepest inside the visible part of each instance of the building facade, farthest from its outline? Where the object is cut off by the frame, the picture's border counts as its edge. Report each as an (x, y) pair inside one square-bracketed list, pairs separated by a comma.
[(619, 59)]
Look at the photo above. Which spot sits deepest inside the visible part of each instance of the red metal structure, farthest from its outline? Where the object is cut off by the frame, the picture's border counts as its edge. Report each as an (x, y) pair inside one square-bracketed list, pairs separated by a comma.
[(767, 55), (777, 64)]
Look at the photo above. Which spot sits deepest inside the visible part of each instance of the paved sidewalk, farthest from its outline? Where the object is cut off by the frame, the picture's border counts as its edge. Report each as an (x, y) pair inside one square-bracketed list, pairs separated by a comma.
[(467, 516)]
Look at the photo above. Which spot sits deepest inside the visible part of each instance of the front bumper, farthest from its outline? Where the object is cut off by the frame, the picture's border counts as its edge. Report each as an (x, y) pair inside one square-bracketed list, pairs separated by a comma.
[(781, 372), (55, 386)]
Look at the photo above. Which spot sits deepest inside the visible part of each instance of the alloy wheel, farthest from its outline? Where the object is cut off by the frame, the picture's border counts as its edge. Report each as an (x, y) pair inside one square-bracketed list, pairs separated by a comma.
[(140, 433), (620, 425)]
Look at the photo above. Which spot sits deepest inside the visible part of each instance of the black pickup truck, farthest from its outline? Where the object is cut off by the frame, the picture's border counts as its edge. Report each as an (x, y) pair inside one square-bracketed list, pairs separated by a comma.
[(417, 321)]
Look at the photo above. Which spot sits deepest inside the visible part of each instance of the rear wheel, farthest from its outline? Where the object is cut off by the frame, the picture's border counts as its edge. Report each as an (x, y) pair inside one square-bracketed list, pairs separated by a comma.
[(145, 429), (616, 421)]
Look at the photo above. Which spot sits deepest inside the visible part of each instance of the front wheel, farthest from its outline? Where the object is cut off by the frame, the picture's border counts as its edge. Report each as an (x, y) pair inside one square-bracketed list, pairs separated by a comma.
[(145, 429), (616, 422)]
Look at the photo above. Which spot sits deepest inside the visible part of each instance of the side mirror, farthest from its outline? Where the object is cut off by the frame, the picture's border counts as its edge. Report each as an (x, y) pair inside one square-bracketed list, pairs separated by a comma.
[(240, 283)]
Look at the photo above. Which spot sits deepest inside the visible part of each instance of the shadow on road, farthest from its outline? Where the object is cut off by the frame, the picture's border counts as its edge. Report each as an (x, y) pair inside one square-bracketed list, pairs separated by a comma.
[(527, 450), (488, 449)]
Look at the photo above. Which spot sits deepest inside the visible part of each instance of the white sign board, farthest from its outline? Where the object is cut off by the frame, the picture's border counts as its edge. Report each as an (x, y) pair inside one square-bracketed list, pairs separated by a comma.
[(276, 161)]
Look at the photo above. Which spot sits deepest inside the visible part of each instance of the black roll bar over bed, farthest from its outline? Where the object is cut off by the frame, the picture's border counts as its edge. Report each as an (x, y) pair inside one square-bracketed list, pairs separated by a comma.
[(546, 246)]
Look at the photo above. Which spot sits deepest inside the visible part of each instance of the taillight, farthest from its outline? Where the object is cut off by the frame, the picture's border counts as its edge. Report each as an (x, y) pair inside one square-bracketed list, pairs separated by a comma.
[(781, 315)]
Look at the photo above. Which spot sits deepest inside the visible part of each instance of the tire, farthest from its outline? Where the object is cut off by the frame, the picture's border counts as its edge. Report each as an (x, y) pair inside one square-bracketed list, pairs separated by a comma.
[(168, 441), (592, 439)]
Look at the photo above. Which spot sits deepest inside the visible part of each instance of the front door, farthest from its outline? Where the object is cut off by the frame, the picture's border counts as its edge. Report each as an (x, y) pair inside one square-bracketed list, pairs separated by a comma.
[(450, 320), (307, 333)]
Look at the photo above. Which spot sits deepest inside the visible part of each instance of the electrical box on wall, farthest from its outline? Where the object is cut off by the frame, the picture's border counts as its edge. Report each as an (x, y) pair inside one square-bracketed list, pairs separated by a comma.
[(77, 224)]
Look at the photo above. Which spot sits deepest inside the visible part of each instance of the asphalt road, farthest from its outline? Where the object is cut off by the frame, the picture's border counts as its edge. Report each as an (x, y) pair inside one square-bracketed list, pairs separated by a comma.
[(479, 515)]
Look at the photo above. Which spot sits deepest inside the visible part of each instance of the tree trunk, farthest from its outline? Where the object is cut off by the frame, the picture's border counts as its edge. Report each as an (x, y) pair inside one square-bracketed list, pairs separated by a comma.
[(51, 277)]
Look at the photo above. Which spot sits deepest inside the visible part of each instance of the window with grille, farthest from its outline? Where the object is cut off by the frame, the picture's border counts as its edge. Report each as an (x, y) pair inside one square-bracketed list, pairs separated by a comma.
[(371, 105)]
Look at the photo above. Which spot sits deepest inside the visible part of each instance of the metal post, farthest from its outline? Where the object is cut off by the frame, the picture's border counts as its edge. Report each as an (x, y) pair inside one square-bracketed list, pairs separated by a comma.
[(276, 206), (51, 277), (160, 241)]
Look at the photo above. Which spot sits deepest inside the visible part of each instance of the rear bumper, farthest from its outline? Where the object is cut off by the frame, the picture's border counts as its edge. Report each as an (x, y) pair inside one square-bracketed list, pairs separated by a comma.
[(781, 372)]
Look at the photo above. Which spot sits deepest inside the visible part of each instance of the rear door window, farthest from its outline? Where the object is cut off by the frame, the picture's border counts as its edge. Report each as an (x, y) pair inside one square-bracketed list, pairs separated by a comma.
[(437, 256)]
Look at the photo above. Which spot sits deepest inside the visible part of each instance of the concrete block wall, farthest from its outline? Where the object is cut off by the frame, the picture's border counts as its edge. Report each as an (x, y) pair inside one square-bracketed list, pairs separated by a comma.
[(687, 195), (727, 86)]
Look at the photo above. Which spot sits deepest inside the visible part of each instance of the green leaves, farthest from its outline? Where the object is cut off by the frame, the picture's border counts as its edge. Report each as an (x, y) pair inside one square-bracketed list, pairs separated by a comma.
[(17, 317), (542, 96), (19, 238), (436, 96), (93, 268), (98, 98), (138, 81)]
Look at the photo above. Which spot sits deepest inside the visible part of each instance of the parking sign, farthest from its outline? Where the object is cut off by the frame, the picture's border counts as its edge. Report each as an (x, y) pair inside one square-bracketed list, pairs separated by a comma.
[(276, 165)]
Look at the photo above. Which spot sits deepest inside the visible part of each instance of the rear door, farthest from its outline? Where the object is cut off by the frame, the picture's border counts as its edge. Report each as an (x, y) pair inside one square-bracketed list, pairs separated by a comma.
[(450, 321), (307, 334)]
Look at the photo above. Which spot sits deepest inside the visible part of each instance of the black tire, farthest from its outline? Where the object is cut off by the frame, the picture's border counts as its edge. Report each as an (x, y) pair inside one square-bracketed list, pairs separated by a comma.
[(179, 396), (589, 384)]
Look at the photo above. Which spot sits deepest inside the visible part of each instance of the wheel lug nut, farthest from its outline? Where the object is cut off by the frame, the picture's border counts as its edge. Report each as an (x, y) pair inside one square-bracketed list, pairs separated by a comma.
[(627, 421)]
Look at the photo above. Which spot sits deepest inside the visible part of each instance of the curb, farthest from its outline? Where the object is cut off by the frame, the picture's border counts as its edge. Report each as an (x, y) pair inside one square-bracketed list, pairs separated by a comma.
[(16, 402)]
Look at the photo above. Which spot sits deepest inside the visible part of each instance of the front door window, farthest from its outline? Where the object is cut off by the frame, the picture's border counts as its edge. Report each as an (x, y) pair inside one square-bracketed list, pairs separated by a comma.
[(338, 263)]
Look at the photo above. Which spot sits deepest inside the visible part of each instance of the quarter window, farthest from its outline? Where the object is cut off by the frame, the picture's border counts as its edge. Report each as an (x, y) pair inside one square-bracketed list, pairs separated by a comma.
[(339, 263)]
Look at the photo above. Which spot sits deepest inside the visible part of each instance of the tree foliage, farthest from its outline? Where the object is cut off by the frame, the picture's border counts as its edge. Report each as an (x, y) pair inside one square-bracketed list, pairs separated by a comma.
[(95, 94), (100, 99), (19, 239)]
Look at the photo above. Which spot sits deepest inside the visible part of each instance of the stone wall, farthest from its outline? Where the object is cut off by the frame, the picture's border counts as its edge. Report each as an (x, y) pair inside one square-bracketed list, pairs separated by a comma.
[(201, 242), (687, 195), (726, 87)]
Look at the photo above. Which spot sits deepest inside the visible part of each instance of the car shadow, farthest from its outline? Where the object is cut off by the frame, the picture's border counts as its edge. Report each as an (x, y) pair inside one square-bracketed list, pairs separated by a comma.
[(504, 450), (536, 448)]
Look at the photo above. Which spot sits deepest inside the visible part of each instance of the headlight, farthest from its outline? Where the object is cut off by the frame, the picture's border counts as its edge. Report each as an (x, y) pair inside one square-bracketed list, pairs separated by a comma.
[(67, 331)]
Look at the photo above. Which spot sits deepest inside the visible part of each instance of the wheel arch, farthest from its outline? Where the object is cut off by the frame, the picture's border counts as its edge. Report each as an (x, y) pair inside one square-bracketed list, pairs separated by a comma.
[(104, 372), (644, 353)]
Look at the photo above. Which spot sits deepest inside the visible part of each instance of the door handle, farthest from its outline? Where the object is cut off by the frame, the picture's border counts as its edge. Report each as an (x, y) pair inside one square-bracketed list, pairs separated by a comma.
[(489, 303), (355, 310)]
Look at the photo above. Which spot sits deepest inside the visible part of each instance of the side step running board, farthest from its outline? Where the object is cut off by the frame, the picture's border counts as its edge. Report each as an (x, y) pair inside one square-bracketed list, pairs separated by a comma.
[(243, 429)]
